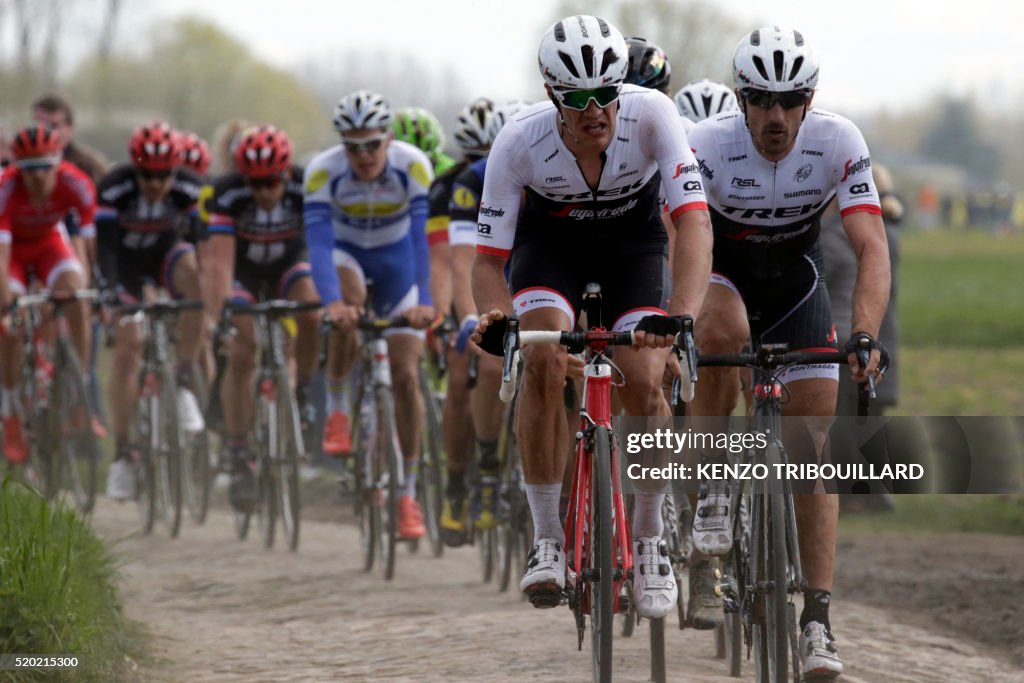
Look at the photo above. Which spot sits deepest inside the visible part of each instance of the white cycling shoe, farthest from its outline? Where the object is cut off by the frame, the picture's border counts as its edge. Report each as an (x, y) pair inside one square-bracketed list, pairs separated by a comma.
[(545, 573), (819, 658), (189, 415), (654, 583), (712, 530), (121, 480)]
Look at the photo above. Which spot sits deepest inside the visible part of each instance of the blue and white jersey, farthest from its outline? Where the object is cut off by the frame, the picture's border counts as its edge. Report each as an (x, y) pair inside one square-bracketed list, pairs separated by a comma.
[(382, 217)]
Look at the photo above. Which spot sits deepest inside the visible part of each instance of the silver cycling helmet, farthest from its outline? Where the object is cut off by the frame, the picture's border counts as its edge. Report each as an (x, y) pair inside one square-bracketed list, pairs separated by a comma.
[(502, 114), (775, 59), (702, 99), (581, 53), (471, 126), (361, 109)]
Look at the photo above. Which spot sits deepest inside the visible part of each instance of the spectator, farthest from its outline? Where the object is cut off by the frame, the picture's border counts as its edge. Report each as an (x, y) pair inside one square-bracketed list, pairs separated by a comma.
[(54, 110)]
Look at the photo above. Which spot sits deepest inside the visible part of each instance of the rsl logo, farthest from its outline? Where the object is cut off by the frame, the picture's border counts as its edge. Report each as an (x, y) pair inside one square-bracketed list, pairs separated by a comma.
[(803, 173)]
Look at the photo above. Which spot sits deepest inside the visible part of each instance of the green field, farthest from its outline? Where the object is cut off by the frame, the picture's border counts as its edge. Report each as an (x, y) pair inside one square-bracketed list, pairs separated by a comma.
[(961, 306)]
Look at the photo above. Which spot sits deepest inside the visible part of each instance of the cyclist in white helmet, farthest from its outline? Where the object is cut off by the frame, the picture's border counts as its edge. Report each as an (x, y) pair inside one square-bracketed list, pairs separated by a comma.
[(485, 408), (470, 133), (591, 164), (699, 100), (365, 214), (770, 170)]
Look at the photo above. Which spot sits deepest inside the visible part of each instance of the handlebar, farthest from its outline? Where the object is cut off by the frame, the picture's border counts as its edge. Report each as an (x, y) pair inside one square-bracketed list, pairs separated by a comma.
[(274, 308), (47, 296)]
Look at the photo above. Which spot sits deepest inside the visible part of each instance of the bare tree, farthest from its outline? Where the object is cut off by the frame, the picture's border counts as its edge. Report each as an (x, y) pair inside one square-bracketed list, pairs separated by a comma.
[(108, 29)]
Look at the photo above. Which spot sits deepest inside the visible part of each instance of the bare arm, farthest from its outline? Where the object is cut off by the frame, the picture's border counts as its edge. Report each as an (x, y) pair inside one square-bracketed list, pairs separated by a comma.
[(462, 279), (441, 276), (871, 292), (489, 289), (691, 262)]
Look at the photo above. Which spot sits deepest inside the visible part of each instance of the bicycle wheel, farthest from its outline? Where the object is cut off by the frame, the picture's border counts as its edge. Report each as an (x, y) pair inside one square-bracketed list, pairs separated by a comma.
[(657, 630), (78, 448), (145, 472), (601, 584), (267, 441), (366, 472), (168, 462), (387, 455), (290, 445), (513, 509), (430, 483), (733, 576), (488, 553), (196, 470), (771, 639)]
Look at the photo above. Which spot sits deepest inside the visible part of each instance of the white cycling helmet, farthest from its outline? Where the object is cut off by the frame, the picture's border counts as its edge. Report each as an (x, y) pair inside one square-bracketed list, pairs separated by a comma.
[(701, 99), (502, 114), (775, 59), (471, 127), (582, 52), (361, 109)]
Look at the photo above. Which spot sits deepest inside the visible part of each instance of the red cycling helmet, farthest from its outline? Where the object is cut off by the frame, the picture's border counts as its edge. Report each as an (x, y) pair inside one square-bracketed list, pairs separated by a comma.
[(155, 147), (263, 151), (195, 153), (38, 140)]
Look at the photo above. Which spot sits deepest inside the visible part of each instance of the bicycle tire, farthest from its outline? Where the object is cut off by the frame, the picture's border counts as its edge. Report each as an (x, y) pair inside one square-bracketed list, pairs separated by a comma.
[(771, 637), (169, 462), (366, 473), (511, 501), (145, 471), (657, 638), (79, 451), (267, 442), (488, 553), (430, 483), (291, 447), (602, 585), (388, 456), (196, 470)]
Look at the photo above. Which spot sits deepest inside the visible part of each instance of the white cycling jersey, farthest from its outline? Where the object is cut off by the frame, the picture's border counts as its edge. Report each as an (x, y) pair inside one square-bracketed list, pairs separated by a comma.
[(649, 150), (767, 214)]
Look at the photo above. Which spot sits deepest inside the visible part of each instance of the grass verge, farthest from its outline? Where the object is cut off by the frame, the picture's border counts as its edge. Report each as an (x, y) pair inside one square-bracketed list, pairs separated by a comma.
[(58, 592), (991, 514)]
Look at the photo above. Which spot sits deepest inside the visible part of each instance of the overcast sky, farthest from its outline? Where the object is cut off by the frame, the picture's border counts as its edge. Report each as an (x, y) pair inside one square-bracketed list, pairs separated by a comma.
[(873, 52)]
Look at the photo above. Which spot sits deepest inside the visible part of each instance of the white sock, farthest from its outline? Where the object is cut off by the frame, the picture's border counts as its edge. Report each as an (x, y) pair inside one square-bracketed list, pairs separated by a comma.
[(336, 396), (543, 499), (647, 513), (6, 402), (410, 478)]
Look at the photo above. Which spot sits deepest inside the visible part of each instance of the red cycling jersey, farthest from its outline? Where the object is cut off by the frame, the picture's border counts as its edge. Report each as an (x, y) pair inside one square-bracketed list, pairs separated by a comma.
[(21, 220)]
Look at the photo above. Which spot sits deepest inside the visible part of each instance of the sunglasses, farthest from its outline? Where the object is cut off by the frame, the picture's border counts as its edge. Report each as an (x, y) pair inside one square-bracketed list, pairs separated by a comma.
[(265, 183), (371, 145), (580, 99), (147, 174), (767, 100)]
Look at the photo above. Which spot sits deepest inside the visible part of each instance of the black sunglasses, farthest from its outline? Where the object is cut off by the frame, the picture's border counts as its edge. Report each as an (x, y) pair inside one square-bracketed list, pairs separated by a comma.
[(767, 100), (147, 174), (265, 183)]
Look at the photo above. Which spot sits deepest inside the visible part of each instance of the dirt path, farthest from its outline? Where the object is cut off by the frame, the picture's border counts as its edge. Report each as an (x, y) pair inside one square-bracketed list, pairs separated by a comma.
[(224, 610)]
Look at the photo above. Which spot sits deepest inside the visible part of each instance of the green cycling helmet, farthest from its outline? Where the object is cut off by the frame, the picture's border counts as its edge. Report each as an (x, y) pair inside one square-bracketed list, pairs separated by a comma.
[(419, 127)]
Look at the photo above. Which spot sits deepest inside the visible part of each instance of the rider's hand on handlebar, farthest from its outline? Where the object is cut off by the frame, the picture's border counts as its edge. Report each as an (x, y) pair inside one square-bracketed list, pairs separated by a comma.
[(466, 329), (877, 363), (420, 317), (658, 331), (490, 332), (341, 314)]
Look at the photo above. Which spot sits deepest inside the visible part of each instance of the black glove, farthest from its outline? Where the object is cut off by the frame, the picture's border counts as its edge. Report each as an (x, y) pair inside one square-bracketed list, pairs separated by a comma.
[(853, 345), (493, 338), (666, 325)]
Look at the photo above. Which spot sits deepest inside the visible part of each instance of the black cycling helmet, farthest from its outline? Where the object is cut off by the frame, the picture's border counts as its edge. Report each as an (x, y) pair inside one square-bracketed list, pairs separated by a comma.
[(648, 65)]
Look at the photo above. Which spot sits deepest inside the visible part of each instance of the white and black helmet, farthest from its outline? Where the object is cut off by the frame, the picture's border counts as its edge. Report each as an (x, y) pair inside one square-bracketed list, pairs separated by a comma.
[(361, 109), (582, 52), (502, 114), (701, 99), (775, 59), (471, 126)]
